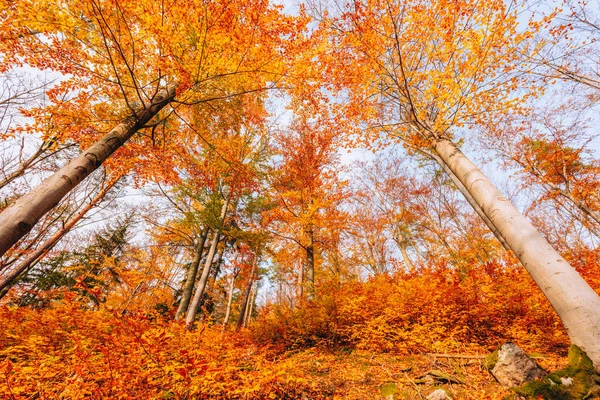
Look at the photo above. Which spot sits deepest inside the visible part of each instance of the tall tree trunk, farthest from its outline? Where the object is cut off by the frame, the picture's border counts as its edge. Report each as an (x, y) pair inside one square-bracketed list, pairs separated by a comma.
[(301, 282), (7, 279), (463, 190), (230, 297), (192, 309), (190, 277), (217, 269), (575, 302), (250, 308), (23, 214), (242, 316), (399, 239), (310, 266)]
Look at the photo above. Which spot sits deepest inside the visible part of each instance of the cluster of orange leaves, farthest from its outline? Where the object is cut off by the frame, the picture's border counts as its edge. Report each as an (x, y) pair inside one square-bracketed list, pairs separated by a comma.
[(67, 351), (373, 327), (435, 310)]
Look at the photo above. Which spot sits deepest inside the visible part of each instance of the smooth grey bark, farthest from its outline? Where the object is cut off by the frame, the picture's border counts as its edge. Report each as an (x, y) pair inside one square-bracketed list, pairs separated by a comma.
[(463, 190), (192, 309), (250, 309), (399, 239), (242, 315), (26, 264), (19, 218), (575, 302), (190, 277), (230, 297)]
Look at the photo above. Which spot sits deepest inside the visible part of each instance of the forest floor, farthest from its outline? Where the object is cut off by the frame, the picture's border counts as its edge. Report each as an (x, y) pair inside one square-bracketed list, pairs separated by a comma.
[(67, 352), (356, 375)]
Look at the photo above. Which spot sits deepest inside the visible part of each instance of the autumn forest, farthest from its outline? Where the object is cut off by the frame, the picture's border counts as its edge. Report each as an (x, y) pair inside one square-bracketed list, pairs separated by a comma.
[(327, 199)]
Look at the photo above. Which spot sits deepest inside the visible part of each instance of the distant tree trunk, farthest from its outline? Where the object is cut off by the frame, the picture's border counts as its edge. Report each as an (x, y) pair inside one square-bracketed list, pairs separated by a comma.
[(25, 164), (242, 316), (192, 309), (19, 218), (310, 266), (575, 302), (253, 295), (217, 268), (230, 297), (399, 239), (190, 277), (301, 282), (43, 249)]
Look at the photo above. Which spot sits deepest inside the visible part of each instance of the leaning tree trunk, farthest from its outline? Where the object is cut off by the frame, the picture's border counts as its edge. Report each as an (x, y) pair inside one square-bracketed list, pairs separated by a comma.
[(23, 214), (192, 309), (575, 302), (190, 277), (463, 190), (7, 280)]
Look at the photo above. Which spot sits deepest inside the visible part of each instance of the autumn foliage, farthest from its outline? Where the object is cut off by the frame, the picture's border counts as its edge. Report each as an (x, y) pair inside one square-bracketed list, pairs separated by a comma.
[(230, 199)]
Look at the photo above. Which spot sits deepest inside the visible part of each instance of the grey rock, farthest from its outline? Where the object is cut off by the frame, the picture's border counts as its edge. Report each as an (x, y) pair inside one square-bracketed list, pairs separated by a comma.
[(514, 367), (439, 394)]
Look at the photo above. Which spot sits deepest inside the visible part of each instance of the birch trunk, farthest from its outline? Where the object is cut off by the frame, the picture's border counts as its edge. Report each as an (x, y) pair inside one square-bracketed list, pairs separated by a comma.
[(190, 277), (192, 309), (575, 302), (7, 280), (18, 219)]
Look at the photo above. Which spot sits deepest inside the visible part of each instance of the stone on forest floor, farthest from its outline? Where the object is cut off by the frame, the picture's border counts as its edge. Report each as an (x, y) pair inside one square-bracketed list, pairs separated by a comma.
[(439, 394), (575, 382), (512, 367)]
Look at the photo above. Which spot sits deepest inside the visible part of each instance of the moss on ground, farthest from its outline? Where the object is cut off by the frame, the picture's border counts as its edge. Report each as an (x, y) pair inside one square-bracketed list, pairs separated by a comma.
[(575, 382)]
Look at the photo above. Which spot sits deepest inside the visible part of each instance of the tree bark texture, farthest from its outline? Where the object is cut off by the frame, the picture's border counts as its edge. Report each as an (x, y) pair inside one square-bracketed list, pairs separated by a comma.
[(192, 309), (18, 219), (463, 190), (230, 297), (575, 302), (310, 265), (190, 277), (7, 279), (242, 316)]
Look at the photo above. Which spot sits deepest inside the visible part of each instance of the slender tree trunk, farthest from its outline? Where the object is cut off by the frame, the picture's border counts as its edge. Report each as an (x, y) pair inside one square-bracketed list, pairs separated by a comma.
[(23, 165), (192, 309), (463, 190), (310, 265), (399, 239), (23, 214), (230, 297), (242, 316), (190, 277), (579, 204), (253, 295), (575, 302), (301, 282), (217, 268), (43, 249)]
